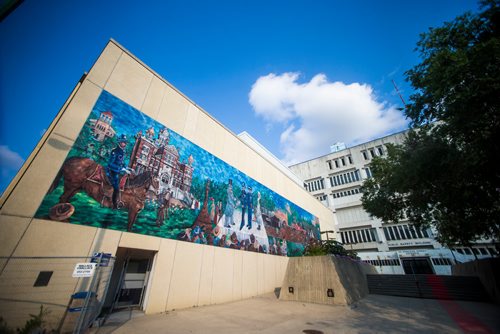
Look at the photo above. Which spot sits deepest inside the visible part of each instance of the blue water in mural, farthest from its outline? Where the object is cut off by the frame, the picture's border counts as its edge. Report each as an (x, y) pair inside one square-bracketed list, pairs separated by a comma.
[(130, 173)]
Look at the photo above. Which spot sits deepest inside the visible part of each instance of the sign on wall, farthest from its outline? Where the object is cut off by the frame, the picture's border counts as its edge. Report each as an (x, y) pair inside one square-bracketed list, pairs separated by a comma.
[(128, 172)]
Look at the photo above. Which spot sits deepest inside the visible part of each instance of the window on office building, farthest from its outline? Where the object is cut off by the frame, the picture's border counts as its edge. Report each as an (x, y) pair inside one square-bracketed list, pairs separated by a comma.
[(365, 156), (330, 165), (350, 159), (386, 234), (336, 163), (380, 151), (372, 153), (368, 172)]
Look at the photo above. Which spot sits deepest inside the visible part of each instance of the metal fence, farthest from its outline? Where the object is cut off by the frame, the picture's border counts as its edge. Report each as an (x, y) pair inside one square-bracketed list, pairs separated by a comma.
[(44, 289)]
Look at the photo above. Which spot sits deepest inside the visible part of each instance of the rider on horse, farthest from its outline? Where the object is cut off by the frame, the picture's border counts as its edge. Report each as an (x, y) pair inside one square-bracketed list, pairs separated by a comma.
[(116, 166)]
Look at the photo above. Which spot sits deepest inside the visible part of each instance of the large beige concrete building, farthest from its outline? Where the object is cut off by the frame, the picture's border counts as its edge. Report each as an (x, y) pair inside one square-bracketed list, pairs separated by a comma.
[(164, 260)]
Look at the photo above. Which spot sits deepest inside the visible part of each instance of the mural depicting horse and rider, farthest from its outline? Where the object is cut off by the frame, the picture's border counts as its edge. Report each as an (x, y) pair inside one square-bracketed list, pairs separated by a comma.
[(128, 172)]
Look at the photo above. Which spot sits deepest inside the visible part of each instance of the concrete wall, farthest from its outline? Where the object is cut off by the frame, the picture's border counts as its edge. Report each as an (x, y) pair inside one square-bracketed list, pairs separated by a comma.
[(311, 277), (184, 274), (488, 271)]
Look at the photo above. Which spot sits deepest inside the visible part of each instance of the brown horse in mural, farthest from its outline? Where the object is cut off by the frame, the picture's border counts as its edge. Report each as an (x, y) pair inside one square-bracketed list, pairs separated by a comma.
[(83, 174)]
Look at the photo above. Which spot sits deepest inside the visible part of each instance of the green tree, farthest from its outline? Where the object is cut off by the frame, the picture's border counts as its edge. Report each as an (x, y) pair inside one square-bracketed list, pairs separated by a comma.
[(444, 174)]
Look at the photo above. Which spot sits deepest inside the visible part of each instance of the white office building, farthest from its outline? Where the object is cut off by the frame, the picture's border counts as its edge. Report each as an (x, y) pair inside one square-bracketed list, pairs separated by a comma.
[(335, 179)]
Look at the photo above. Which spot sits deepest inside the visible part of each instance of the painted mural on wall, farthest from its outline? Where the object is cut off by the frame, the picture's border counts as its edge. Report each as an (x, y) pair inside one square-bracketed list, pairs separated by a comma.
[(128, 172)]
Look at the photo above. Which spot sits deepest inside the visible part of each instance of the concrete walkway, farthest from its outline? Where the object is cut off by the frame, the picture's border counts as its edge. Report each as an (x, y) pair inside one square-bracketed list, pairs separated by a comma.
[(374, 314)]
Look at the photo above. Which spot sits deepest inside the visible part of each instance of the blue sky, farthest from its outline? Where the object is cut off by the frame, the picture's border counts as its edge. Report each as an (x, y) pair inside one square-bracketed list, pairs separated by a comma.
[(297, 75)]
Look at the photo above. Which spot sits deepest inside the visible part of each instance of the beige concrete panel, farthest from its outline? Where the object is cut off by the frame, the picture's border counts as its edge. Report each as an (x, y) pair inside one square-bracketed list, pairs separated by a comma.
[(270, 273), (100, 72), (105, 241), (205, 132), (139, 241), (206, 276), (237, 275), (218, 138), (49, 238), (161, 276), (231, 150), (77, 111), (189, 131), (283, 263), (173, 110), (249, 274), (261, 275), (27, 195), (251, 163), (129, 81), (270, 177), (154, 97), (222, 287), (245, 159), (11, 230), (185, 281)]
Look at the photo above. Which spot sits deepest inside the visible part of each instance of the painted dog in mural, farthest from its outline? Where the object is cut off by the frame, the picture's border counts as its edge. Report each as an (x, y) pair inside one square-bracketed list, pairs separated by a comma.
[(83, 174)]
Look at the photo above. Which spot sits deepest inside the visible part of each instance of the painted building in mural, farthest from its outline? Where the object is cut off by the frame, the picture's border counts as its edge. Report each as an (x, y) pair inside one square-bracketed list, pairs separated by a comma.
[(130, 168)]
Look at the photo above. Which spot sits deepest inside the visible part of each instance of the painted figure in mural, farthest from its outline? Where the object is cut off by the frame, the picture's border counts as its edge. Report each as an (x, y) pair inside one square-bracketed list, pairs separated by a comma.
[(103, 151), (249, 204), (231, 202), (217, 235), (163, 206), (116, 165), (218, 212), (246, 206), (89, 150), (233, 241), (254, 245), (198, 236), (211, 210), (258, 213), (185, 235)]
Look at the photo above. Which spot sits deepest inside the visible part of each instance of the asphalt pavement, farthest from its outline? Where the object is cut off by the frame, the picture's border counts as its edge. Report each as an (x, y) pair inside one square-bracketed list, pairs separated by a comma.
[(267, 314)]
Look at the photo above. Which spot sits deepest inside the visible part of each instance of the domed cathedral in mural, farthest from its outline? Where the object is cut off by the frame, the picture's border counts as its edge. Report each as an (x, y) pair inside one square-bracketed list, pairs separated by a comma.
[(133, 172)]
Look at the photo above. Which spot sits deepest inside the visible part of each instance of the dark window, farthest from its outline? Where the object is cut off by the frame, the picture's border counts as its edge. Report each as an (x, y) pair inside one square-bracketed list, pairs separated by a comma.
[(386, 234), (43, 278), (365, 156), (425, 233), (380, 151), (407, 231), (350, 159), (337, 163), (330, 164), (391, 233), (413, 233), (372, 153), (400, 228), (343, 161)]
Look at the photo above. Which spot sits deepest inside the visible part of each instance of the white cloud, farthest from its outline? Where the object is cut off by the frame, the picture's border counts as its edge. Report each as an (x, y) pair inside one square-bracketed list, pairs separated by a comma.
[(318, 113), (10, 161)]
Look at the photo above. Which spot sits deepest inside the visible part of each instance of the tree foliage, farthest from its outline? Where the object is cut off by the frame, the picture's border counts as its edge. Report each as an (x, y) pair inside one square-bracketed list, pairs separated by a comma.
[(328, 247), (445, 173)]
